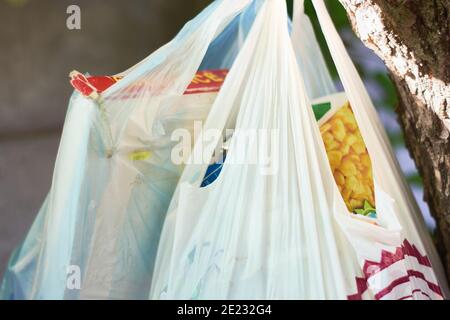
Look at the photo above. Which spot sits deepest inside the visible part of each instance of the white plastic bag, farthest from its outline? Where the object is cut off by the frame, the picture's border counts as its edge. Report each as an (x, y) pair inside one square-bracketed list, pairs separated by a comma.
[(251, 234), (97, 233), (394, 256), (277, 229), (287, 234)]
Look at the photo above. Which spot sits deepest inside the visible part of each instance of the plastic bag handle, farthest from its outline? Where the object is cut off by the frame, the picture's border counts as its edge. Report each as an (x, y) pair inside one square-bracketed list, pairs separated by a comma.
[(201, 31), (299, 9), (365, 113), (220, 119), (309, 55)]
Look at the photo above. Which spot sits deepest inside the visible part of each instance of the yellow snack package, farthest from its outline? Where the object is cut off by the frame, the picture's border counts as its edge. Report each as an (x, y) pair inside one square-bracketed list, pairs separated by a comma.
[(347, 153)]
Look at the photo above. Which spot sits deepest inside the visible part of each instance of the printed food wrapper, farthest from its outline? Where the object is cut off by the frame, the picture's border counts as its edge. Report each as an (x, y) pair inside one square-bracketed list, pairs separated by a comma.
[(347, 153), (91, 86)]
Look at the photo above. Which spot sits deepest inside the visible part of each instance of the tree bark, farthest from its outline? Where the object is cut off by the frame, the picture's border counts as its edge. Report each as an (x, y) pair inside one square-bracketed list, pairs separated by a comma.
[(412, 38)]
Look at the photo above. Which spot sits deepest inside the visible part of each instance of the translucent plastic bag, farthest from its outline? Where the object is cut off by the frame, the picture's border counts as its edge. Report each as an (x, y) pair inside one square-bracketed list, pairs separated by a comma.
[(113, 178), (112, 181), (398, 258), (246, 235), (288, 234)]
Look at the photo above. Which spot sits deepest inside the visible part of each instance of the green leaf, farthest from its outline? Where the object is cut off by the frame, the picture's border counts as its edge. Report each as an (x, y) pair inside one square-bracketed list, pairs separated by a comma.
[(415, 179)]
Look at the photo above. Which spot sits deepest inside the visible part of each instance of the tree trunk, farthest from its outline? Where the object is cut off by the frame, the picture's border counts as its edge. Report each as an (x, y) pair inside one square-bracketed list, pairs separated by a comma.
[(412, 38)]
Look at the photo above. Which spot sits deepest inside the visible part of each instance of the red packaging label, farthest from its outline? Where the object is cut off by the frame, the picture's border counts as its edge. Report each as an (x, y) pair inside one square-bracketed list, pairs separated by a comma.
[(90, 86)]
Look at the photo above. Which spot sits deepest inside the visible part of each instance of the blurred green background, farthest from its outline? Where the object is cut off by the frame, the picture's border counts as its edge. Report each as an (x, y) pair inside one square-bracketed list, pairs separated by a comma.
[(37, 53)]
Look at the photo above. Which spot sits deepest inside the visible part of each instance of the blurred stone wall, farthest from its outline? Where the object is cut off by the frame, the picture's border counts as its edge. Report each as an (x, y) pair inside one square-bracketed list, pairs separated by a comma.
[(37, 52)]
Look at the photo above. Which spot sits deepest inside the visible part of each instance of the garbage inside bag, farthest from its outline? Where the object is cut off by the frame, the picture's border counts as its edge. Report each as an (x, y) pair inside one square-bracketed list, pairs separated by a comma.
[(99, 229), (299, 231), (90, 86), (323, 213), (346, 152)]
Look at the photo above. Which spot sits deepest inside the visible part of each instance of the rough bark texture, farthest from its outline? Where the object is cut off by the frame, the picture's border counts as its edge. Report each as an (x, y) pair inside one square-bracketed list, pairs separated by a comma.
[(412, 38)]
